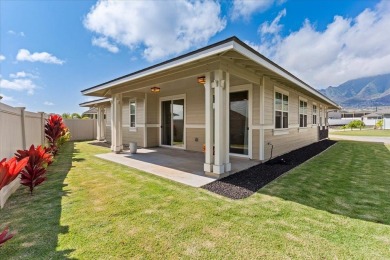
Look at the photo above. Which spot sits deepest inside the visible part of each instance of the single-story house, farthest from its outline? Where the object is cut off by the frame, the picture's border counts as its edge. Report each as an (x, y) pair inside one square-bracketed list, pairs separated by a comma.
[(373, 118), (91, 113), (225, 100)]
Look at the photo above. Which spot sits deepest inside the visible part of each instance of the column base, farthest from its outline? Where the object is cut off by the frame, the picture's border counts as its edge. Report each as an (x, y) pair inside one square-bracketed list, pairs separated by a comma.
[(117, 149), (228, 167), (219, 169), (216, 175), (208, 167)]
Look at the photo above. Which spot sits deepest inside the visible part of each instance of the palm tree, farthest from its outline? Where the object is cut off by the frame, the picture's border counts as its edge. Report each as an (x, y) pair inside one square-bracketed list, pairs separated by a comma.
[(76, 115), (66, 116)]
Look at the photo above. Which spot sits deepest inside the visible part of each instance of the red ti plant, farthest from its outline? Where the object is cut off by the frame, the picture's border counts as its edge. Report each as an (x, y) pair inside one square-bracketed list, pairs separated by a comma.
[(54, 129), (35, 170), (5, 235), (10, 169)]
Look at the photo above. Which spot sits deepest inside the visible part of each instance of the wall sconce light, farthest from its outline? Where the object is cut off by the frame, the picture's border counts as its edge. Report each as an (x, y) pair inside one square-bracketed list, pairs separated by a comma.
[(155, 89), (202, 80)]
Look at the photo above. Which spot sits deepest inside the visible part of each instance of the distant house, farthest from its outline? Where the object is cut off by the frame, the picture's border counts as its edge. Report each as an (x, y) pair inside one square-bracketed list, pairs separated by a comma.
[(91, 113), (343, 117), (225, 98), (373, 118)]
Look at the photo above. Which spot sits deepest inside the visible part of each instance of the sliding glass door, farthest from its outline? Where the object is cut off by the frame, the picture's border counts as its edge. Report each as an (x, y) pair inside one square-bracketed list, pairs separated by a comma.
[(172, 122), (239, 120)]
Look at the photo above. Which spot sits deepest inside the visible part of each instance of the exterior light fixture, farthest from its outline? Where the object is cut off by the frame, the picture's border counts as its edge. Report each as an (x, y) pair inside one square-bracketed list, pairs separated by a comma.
[(202, 79), (155, 89)]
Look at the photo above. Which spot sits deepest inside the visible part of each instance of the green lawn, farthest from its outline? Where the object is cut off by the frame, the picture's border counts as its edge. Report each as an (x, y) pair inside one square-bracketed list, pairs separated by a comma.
[(356, 132), (334, 206)]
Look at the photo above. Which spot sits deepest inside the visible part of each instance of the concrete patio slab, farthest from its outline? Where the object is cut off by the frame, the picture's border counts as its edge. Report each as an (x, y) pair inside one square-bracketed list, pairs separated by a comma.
[(178, 165)]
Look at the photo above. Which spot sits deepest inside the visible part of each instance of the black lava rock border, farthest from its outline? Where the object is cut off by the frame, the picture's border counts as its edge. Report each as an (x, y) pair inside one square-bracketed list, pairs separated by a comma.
[(245, 183)]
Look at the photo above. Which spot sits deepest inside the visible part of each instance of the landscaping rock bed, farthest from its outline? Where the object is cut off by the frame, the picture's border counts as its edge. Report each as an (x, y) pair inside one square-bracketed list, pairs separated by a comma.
[(244, 183)]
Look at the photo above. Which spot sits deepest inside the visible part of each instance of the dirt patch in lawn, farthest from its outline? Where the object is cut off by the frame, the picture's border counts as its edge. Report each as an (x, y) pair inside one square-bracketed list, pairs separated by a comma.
[(245, 183)]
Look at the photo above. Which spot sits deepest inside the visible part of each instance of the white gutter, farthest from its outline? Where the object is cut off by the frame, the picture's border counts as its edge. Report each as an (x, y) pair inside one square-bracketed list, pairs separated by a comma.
[(94, 102)]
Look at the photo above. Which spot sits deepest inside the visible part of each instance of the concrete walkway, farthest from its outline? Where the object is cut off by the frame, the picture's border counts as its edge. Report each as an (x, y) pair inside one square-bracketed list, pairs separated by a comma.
[(361, 138), (178, 165)]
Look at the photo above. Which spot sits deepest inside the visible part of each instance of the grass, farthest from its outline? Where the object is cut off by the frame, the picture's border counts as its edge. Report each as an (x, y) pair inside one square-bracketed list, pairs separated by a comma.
[(93, 209), (370, 132)]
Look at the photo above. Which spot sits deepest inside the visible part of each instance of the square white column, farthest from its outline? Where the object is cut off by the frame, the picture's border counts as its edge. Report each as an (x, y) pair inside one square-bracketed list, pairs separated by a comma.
[(220, 123), (100, 126), (228, 165), (116, 123), (209, 116), (112, 112)]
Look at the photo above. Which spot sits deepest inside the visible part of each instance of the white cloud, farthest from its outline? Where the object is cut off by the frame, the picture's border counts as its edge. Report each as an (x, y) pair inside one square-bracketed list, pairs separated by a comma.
[(25, 55), (348, 48), (274, 27), (48, 103), (15, 33), (160, 28), (21, 74), (245, 8), (6, 98), (18, 85), (104, 43), (2, 57)]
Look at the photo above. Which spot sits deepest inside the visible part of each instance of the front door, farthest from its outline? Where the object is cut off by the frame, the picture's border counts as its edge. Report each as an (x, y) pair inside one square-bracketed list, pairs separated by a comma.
[(172, 123), (239, 122)]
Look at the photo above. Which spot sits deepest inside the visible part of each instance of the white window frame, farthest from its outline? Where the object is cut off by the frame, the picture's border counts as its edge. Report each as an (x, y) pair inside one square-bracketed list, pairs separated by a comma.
[(133, 128), (282, 130), (321, 115), (304, 112), (172, 98), (314, 113)]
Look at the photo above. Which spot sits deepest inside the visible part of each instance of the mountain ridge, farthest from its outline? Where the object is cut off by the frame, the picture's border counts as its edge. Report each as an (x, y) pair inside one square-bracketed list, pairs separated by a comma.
[(362, 92)]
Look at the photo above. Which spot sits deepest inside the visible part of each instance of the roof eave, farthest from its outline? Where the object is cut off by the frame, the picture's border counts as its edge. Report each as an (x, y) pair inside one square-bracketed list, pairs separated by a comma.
[(94, 102)]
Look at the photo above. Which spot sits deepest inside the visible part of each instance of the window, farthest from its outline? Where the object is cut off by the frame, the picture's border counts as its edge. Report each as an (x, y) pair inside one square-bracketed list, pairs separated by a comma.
[(132, 113), (314, 115), (320, 116), (302, 113), (281, 110)]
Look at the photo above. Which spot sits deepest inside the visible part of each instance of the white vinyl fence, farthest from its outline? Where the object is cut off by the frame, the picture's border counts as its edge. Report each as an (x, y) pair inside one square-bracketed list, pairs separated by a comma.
[(386, 122), (18, 130), (82, 129)]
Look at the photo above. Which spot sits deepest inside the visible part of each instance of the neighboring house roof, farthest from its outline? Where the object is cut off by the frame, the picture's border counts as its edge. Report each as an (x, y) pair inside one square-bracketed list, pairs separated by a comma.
[(373, 115), (231, 49), (379, 113), (92, 111)]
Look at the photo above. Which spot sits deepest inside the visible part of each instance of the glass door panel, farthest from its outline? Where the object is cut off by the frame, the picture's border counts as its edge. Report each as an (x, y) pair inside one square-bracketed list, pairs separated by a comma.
[(166, 123), (172, 122), (238, 116), (178, 122)]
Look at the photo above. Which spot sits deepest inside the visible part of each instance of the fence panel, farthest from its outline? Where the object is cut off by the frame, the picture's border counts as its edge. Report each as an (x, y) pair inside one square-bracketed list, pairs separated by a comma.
[(18, 130), (82, 129)]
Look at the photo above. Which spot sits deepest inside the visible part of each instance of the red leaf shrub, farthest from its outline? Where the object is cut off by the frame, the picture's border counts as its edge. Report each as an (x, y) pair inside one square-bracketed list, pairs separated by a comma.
[(54, 129), (10, 169), (39, 156), (35, 170), (5, 235)]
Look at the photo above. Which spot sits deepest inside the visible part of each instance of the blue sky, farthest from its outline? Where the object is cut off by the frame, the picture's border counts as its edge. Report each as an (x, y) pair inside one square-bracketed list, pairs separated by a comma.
[(51, 50)]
